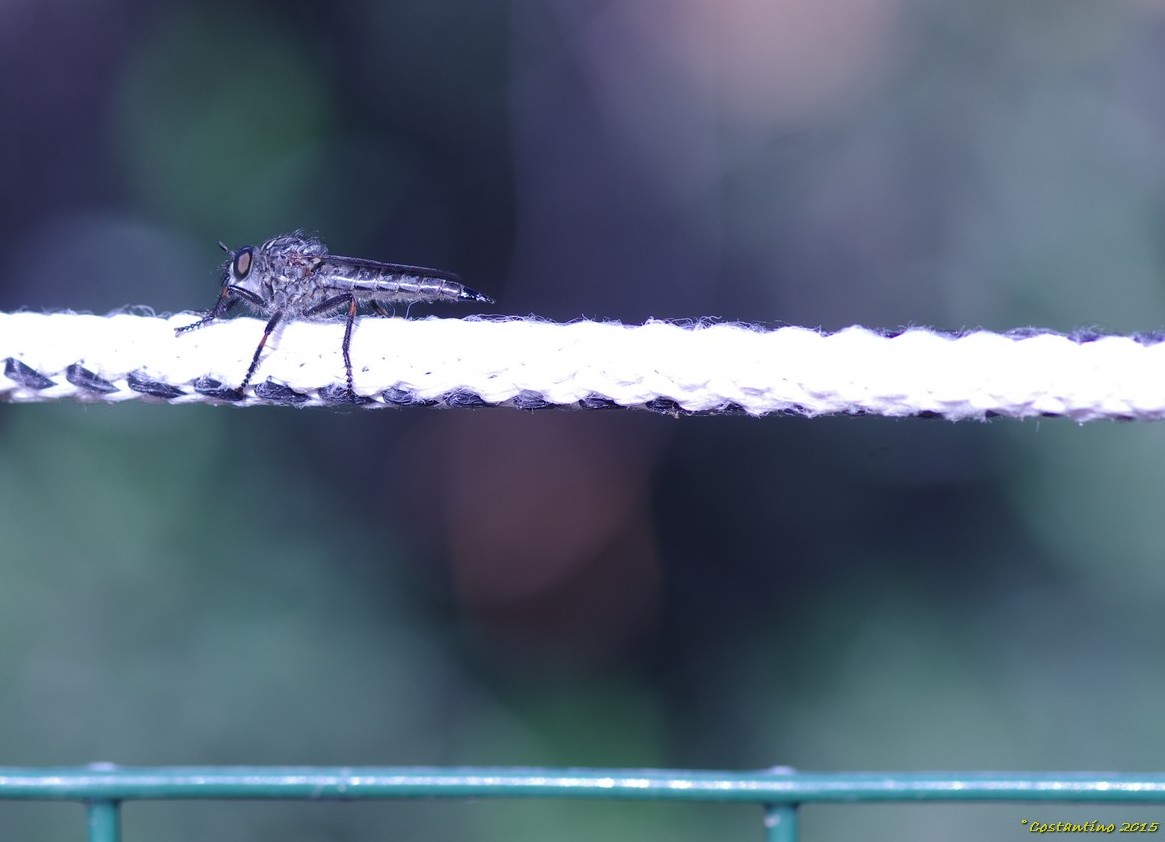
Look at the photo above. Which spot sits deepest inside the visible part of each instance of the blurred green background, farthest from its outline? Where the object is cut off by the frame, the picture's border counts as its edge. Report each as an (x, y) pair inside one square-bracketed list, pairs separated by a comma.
[(203, 585)]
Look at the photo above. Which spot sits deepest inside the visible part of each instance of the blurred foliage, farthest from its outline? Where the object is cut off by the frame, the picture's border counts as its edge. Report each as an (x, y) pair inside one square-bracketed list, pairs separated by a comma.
[(221, 142), (205, 585)]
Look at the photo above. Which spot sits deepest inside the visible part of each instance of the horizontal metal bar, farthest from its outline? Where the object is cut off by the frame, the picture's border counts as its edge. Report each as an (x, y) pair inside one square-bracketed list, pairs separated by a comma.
[(773, 787)]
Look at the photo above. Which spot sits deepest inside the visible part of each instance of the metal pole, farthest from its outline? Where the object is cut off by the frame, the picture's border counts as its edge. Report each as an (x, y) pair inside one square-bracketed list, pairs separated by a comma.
[(104, 819), (781, 823)]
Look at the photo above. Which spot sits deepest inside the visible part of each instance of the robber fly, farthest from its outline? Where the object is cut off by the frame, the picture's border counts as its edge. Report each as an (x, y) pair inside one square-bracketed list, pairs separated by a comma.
[(292, 276)]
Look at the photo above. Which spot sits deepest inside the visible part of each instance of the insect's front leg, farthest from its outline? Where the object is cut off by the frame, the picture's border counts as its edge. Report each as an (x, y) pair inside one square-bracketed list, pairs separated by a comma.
[(223, 305), (228, 298)]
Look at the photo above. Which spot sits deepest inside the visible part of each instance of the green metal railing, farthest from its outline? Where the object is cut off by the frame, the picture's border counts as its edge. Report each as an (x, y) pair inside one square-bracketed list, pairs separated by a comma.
[(780, 792)]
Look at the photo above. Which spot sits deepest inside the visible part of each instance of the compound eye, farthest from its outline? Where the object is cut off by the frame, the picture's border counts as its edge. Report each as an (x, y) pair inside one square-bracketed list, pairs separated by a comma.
[(241, 267)]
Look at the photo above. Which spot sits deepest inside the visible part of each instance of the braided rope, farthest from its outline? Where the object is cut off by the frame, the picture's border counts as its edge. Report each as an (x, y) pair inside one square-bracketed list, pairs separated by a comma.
[(531, 364)]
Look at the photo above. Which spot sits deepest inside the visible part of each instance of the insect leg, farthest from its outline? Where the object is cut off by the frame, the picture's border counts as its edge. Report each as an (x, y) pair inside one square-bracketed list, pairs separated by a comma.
[(329, 305), (348, 342), (271, 323), (228, 298), (224, 303)]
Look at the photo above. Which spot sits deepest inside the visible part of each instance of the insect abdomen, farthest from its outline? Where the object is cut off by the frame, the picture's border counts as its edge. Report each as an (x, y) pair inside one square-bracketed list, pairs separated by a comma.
[(404, 287)]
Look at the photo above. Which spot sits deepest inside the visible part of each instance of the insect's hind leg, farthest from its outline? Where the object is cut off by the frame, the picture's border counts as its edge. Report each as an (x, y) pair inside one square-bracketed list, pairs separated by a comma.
[(348, 343), (330, 305)]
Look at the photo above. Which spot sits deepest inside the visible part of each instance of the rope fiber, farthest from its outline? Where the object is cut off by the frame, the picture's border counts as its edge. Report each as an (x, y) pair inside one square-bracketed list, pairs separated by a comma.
[(527, 363)]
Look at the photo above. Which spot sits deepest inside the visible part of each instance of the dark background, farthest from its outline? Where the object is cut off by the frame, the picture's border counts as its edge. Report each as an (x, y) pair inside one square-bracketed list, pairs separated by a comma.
[(200, 585)]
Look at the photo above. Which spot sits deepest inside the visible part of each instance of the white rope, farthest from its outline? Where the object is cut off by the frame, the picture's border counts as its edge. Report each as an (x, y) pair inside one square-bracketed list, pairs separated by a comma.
[(531, 364)]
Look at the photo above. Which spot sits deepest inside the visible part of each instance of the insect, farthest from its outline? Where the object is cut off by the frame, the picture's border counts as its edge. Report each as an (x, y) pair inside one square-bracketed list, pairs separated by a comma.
[(293, 276)]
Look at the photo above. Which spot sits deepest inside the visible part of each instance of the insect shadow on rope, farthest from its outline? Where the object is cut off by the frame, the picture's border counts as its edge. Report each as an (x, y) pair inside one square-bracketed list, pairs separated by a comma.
[(293, 276)]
